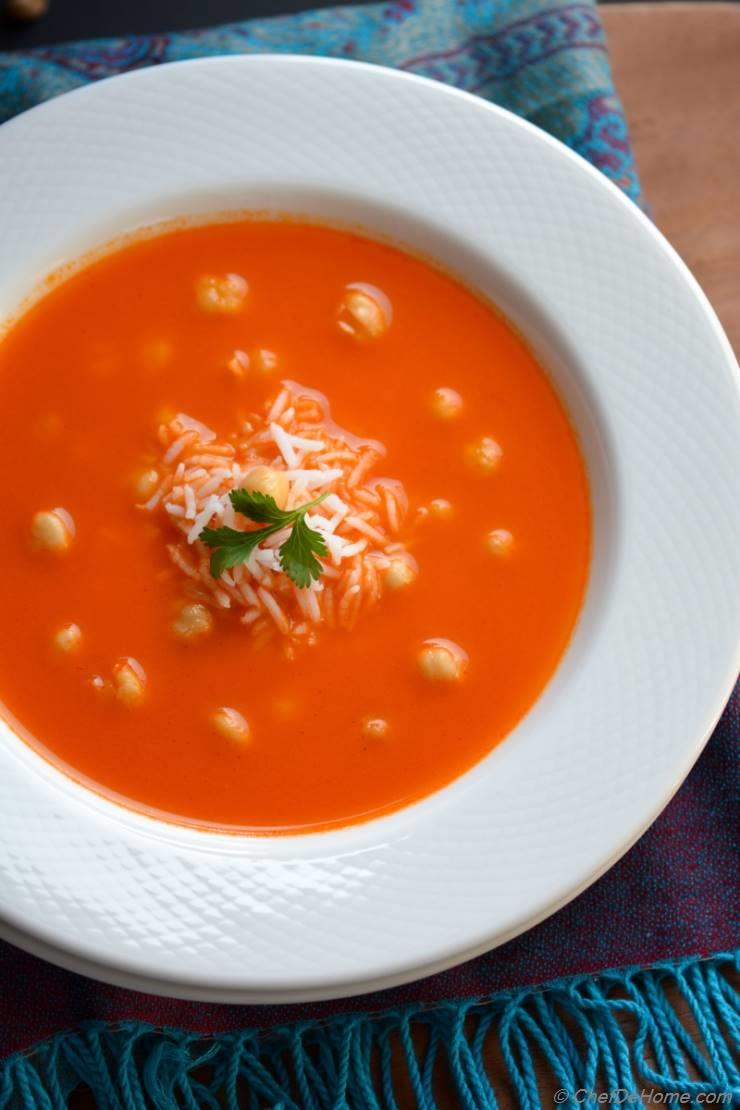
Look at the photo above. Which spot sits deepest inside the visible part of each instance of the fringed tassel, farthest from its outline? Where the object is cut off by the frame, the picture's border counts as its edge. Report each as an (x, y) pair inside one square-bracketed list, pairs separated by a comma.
[(620, 1032)]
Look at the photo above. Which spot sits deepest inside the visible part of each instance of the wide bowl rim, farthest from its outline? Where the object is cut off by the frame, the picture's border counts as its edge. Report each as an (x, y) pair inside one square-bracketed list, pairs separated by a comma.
[(78, 952)]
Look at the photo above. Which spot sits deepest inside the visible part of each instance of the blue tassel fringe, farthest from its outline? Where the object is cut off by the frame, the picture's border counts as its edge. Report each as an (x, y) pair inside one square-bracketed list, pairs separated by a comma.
[(620, 1032)]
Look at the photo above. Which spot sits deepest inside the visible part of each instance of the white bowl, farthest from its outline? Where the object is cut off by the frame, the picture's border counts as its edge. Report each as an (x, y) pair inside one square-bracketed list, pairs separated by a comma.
[(651, 384)]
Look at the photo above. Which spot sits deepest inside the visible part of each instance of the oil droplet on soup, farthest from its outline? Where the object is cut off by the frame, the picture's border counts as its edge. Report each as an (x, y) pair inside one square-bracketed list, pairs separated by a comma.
[(360, 652)]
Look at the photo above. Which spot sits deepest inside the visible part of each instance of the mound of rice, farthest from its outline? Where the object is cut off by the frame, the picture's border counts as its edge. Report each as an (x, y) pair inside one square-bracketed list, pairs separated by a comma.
[(361, 521)]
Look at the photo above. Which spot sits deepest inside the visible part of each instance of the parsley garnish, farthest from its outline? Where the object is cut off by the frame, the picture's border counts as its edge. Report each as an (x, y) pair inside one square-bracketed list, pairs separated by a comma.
[(297, 554)]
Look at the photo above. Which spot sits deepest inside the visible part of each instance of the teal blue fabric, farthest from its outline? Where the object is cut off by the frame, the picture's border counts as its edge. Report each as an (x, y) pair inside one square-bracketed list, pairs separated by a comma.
[(622, 1033)]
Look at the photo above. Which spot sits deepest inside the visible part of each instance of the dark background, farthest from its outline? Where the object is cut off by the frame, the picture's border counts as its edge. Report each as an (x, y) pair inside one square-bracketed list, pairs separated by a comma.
[(88, 19)]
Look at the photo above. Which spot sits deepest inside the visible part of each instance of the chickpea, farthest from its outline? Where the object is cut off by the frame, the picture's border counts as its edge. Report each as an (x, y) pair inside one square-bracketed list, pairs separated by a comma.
[(375, 728), (52, 530), (48, 426), (145, 483), (230, 723), (364, 312), (222, 294), (439, 509), (398, 574), (104, 360), (192, 622), (484, 455), (447, 404), (442, 661), (165, 415), (264, 479), (499, 542), (238, 365), (155, 354), (265, 361), (68, 638), (129, 681), (285, 709)]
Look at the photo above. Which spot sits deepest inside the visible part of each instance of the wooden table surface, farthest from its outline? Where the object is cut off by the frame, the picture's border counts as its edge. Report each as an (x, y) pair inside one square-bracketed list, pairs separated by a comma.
[(677, 68)]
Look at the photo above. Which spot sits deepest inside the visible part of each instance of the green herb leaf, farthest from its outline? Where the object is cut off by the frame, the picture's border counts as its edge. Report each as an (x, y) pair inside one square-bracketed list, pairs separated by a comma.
[(229, 537), (259, 507), (297, 553), (232, 547), (226, 557)]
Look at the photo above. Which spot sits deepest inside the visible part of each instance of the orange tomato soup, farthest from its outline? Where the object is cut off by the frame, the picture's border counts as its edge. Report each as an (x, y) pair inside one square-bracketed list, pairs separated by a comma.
[(242, 701)]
